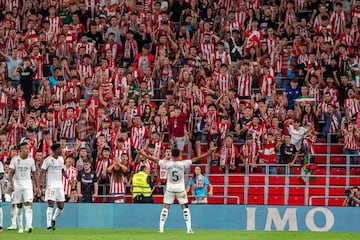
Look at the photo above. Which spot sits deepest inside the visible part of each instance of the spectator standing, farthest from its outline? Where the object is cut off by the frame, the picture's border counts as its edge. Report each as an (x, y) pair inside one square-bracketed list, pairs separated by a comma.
[(201, 187), (87, 185), (288, 155)]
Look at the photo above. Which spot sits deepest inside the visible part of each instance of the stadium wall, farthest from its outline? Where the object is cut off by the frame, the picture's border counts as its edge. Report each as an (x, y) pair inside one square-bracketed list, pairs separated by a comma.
[(242, 217)]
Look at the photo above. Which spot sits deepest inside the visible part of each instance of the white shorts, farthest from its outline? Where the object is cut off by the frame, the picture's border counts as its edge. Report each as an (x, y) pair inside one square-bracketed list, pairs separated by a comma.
[(55, 194), (199, 200), (23, 196), (169, 197)]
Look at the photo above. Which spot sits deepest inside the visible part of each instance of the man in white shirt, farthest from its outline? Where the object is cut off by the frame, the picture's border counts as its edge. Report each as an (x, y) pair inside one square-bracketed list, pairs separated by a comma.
[(53, 167), (175, 185), (22, 175), (297, 134)]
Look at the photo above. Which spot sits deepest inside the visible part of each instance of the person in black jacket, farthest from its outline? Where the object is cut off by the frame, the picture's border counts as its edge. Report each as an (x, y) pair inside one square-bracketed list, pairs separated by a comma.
[(27, 72)]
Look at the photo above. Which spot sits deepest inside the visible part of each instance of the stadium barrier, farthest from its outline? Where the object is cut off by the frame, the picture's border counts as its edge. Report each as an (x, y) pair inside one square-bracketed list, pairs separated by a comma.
[(237, 217)]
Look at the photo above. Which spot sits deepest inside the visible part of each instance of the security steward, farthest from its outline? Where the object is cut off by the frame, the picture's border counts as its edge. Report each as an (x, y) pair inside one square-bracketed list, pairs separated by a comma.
[(142, 186)]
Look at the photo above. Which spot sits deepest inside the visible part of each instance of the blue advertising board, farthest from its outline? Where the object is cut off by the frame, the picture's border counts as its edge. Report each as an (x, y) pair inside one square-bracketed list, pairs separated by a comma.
[(241, 217)]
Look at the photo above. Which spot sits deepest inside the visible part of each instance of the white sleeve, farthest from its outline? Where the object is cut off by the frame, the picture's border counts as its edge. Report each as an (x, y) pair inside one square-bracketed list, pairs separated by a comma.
[(187, 163), (45, 164), (12, 163), (33, 167), (162, 163), (1, 168)]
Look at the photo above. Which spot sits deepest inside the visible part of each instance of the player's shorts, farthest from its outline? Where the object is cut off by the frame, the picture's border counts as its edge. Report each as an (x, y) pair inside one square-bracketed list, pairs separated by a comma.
[(199, 200), (23, 196), (169, 197), (55, 194)]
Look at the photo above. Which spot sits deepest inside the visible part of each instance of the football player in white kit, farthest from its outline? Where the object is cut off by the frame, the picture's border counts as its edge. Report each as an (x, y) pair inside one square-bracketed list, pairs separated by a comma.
[(22, 175), (1, 212), (175, 184), (53, 167)]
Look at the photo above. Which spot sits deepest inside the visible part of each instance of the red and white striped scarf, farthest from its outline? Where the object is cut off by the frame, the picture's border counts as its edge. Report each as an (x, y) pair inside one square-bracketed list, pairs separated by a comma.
[(131, 49), (334, 124), (248, 152), (212, 121), (227, 154)]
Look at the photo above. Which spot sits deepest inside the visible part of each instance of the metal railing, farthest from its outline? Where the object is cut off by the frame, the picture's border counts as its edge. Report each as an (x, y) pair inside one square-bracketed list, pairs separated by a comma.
[(125, 197)]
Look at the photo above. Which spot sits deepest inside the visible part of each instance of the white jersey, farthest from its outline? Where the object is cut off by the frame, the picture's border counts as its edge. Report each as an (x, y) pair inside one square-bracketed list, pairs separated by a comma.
[(175, 174), (23, 169), (54, 168)]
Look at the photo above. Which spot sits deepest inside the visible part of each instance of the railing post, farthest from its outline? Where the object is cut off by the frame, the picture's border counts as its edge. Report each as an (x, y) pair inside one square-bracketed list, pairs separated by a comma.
[(246, 184), (266, 189), (226, 183), (348, 164), (328, 161)]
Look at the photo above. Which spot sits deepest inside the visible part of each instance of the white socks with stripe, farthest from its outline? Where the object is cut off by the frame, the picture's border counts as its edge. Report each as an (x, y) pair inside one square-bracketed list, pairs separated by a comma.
[(187, 217), (163, 216)]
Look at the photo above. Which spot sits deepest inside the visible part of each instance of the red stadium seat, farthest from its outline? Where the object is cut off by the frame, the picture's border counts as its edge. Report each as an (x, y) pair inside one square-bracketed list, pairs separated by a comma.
[(255, 199), (276, 180), (276, 200), (276, 190), (337, 181), (296, 200), (296, 191), (236, 179), (317, 191), (256, 180)]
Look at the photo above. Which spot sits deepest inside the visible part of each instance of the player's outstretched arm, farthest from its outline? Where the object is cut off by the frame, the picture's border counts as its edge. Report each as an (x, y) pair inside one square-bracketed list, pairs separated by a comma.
[(142, 152), (210, 151)]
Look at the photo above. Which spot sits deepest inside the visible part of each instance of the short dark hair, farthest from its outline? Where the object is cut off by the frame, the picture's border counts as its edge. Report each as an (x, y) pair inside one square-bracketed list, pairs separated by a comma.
[(175, 152)]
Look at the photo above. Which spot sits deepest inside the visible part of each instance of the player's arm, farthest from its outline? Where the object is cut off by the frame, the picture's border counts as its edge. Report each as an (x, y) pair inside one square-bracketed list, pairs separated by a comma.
[(210, 192), (142, 152), (11, 178), (96, 189), (65, 175), (210, 151), (42, 177), (79, 189), (36, 181)]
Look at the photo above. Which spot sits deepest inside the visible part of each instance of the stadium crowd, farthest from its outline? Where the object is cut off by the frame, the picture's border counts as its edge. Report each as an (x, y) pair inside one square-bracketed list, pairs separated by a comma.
[(261, 80)]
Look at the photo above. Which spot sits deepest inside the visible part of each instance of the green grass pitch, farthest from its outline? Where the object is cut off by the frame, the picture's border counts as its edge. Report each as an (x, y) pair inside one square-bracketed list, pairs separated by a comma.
[(170, 234)]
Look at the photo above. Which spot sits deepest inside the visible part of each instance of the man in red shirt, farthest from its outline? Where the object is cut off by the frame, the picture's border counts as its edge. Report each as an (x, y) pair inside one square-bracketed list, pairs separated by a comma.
[(177, 126)]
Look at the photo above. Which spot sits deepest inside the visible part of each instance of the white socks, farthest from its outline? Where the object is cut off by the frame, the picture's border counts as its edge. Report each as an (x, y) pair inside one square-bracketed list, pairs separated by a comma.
[(163, 216), (57, 213), (1, 217), (28, 216), (13, 214), (49, 212), (19, 216), (49, 215), (187, 217)]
